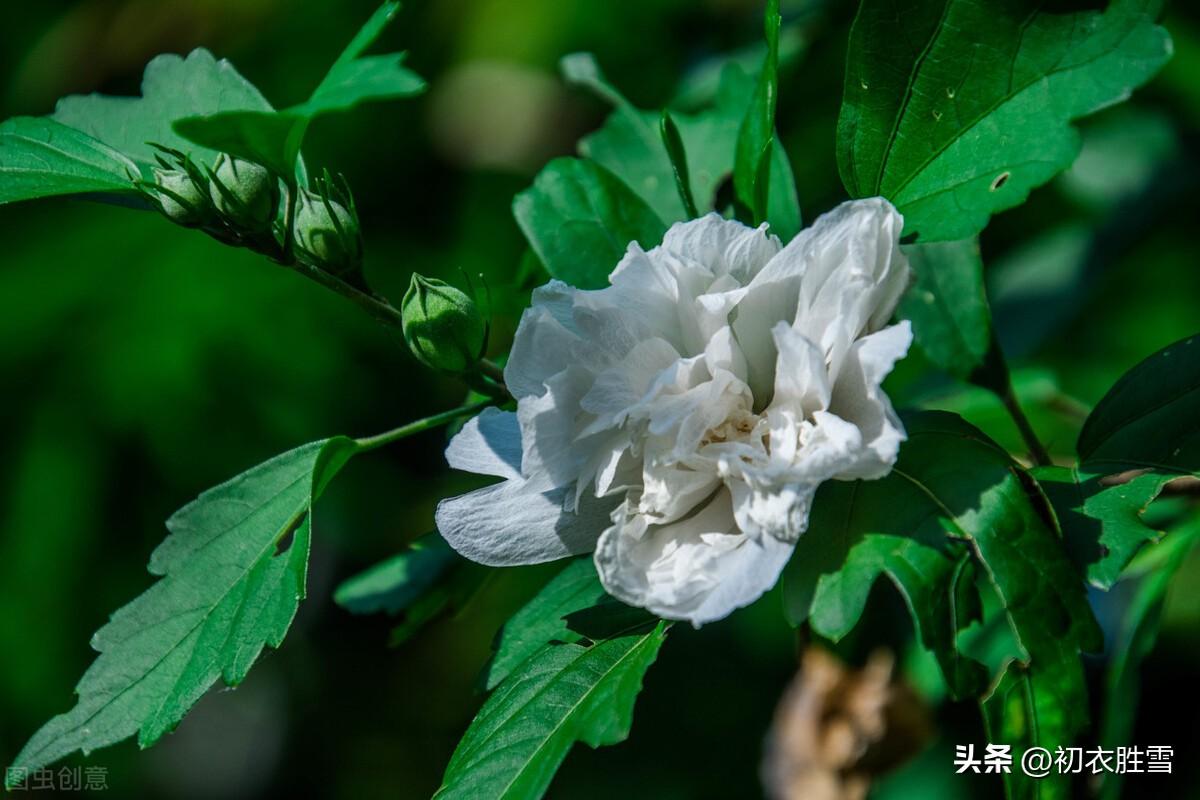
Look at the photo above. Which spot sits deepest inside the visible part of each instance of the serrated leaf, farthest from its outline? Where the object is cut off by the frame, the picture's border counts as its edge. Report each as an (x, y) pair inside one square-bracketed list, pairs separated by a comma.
[(956, 109), (395, 584), (630, 146), (172, 87), (225, 594), (42, 158), (274, 138), (544, 618), (1141, 435), (951, 481), (567, 692), (1101, 520), (756, 135), (898, 527), (579, 219), (948, 306)]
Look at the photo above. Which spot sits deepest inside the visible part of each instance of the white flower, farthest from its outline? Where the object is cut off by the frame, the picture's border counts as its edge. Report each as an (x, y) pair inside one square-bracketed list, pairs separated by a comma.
[(679, 421)]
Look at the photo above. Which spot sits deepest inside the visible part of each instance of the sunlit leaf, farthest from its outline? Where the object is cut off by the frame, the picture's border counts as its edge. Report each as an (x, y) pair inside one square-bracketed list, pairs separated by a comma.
[(274, 138), (544, 618), (41, 158), (956, 109), (233, 573), (172, 87), (577, 687), (579, 219), (630, 146)]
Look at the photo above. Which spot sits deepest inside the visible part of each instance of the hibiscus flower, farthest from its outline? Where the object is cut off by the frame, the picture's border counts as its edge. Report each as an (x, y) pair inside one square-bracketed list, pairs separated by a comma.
[(679, 421)]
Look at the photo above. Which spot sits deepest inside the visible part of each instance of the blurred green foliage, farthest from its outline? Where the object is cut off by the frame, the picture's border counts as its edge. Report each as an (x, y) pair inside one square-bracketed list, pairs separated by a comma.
[(143, 363)]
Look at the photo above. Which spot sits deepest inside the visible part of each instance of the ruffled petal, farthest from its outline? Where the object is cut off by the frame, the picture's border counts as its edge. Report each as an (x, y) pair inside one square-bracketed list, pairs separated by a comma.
[(836, 279), (545, 342), (859, 399), (698, 569), (726, 247)]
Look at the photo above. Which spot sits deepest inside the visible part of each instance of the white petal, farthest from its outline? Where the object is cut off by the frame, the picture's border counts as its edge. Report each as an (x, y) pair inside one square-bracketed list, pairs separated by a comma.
[(623, 385), (550, 425), (724, 246), (801, 377), (843, 274), (859, 399), (772, 512), (521, 522), (489, 444), (698, 569), (671, 490), (545, 342)]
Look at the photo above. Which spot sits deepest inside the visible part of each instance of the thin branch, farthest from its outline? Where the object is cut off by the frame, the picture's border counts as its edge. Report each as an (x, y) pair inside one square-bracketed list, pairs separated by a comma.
[(421, 425)]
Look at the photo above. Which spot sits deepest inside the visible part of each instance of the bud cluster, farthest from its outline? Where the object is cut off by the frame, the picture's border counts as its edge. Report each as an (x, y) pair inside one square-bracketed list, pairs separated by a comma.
[(238, 202)]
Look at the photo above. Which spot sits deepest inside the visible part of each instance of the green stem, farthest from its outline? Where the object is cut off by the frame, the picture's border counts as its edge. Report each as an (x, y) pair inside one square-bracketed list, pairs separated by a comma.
[(1036, 451), (492, 370), (381, 310), (420, 426), (289, 227)]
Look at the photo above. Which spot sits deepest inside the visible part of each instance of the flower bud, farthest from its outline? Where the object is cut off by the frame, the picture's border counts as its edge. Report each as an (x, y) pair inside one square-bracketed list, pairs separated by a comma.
[(245, 193), (327, 233), (442, 325), (179, 198)]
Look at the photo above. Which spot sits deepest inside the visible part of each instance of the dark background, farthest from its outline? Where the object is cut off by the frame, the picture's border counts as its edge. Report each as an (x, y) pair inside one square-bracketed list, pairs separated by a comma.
[(143, 363)]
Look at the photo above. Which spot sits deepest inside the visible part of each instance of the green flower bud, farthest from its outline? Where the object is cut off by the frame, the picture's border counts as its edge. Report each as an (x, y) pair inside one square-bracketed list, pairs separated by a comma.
[(327, 234), (180, 199), (245, 193), (442, 325)]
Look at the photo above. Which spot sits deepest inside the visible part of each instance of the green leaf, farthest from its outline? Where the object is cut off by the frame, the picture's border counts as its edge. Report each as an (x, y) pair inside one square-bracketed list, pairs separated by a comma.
[(231, 583), (1134, 642), (630, 146), (956, 109), (392, 586), (273, 138), (1151, 416), (579, 219), (1101, 519), (418, 585), (41, 158), (1140, 436), (172, 87), (756, 135), (948, 306), (543, 619), (566, 691), (950, 483), (675, 151)]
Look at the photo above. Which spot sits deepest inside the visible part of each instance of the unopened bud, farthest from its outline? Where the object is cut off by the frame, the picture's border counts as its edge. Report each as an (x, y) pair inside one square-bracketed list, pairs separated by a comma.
[(442, 325), (180, 199), (327, 233), (245, 193)]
